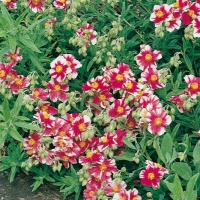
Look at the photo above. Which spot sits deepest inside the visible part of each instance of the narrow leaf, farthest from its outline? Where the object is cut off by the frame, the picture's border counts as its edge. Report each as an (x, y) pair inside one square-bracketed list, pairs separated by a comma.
[(166, 145), (6, 14), (178, 190), (190, 186), (188, 63), (15, 134), (128, 143), (37, 63), (125, 156), (17, 105), (28, 43), (12, 43), (6, 110), (27, 126), (158, 150)]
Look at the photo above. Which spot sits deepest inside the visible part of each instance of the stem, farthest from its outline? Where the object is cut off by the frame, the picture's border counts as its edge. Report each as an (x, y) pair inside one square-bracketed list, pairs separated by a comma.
[(143, 6)]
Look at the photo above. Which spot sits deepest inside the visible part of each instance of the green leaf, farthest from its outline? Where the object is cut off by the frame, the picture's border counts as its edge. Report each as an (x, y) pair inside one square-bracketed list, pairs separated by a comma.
[(175, 130), (182, 169), (178, 190), (15, 134), (178, 81), (158, 150), (4, 51), (196, 153), (37, 63), (28, 43), (128, 143), (20, 18), (6, 14), (188, 63), (27, 126), (36, 185), (12, 43), (90, 65), (166, 145), (13, 171), (6, 110), (17, 105), (190, 186), (125, 156), (4, 23)]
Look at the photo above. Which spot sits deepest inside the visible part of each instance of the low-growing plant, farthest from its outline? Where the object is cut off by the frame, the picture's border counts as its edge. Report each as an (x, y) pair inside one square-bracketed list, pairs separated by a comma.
[(102, 98)]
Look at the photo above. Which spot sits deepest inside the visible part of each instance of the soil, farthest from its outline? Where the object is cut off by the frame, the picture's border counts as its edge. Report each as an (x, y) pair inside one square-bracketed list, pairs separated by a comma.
[(20, 189)]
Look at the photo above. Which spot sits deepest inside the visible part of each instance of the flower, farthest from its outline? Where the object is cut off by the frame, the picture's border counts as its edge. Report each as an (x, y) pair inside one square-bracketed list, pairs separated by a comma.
[(36, 5), (146, 58), (118, 109), (88, 34), (193, 85), (192, 12), (11, 4), (14, 57), (39, 93), (150, 177), (114, 187), (162, 13), (174, 23), (57, 91), (90, 193), (180, 5), (133, 194), (60, 4), (157, 121), (32, 143), (196, 25), (20, 82), (152, 77), (103, 170)]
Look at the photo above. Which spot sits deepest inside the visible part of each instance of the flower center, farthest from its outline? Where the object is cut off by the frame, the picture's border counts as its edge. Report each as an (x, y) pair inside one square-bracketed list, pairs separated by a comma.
[(69, 64), (62, 1), (148, 57), (158, 121), (82, 127), (129, 86), (134, 198), (151, 176), (14, 56), (120, 110), (44, 108), (8, 1), (159, 14), (154, 78), (194, 86), (115, 188), (91, 193), (159, 165), (59, 69), (65, 158), (57, 87), (62, 133), (103, 167), (119, 77), (102, 97), (46, 115), (122, 198), (35, 2), (31, 142), (104, 139), (176, 5), (61, 143), (89, 154), (130, 124), (30, 152), (36, 93), (191, 13), (95, 85), (18, 81), (2, 73), (82, 144)]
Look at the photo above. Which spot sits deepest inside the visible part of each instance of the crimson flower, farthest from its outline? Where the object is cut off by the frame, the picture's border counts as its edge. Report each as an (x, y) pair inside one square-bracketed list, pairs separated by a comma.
[(11, 4), (157, 121), (36, 5), (147, 58), (118, 109), (196, 25), (193, 85), (14, 57), (60, 4), (57, 91), (162, 13), (152, 77), (39, 93), (192, 12)]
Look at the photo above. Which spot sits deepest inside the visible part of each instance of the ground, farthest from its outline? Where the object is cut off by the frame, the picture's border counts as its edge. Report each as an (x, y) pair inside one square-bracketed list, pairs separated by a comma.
[(20, 189)]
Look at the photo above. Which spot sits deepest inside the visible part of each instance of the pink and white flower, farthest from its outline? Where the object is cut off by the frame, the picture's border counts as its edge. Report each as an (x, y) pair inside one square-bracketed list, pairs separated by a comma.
[(147, 58), (157, 121), (193, 85), (36, 5)]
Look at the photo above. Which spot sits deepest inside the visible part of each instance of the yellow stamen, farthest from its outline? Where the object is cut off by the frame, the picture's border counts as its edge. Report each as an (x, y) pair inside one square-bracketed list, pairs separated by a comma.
[(91, 193), (119, 77), (129, 86), (95, 85), (151, 176), (158, 121), (18, 81), (2, 73), (194, 86), (36, 93), (191, 13), (82, 127), (115, 188), (148, 57), (103, 167), (82, 144), (120, 110), (154, 78), (57, 87), (104, 139), (102, 97), (159, 14), (59, 69), (35, 2), (89, 154), (31, 142)]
